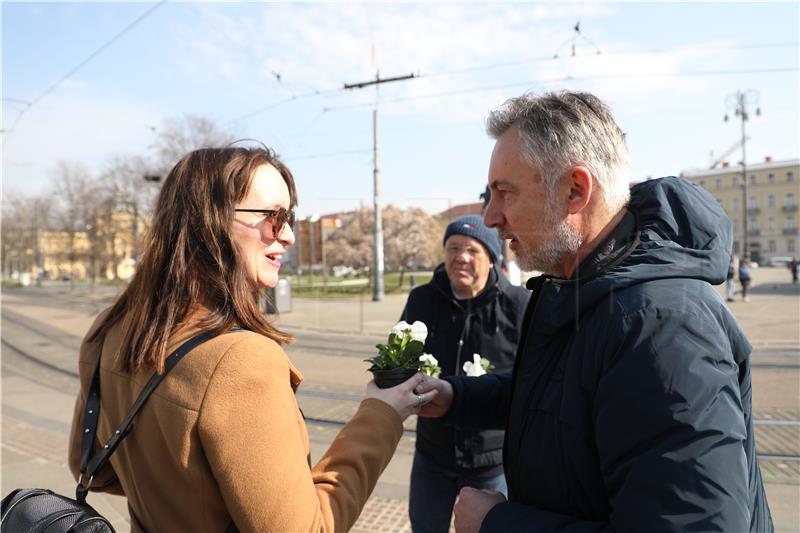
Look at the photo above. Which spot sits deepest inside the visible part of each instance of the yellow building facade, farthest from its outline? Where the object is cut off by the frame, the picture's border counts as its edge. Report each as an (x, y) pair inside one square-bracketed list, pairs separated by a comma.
[(105, 251), (767, 207)]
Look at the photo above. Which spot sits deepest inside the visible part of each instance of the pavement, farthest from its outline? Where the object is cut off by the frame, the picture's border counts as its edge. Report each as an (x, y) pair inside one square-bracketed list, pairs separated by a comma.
[(36, 411)]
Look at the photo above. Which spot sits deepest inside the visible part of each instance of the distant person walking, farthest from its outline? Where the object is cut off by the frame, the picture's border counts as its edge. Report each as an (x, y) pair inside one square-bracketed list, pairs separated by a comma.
[(730, 282), (793, 269), (744, 276)]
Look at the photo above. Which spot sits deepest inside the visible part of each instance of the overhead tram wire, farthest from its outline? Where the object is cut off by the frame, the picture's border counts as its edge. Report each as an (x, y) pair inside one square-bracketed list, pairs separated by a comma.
[(490, 66), (329, 154), (17, 101), (83, 63), (549, 58), (566, 79), (279, 103)]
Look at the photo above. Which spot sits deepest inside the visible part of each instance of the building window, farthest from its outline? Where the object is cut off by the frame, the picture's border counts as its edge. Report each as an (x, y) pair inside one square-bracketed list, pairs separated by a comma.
[(771, 247), (736, 247), (753, 179), (752, 223), (735, 181), (753, 203), (771, 200), (718, 183), (735, 204), (789, 200), (771, 178), (789, 223), (789, 246), (771, 223), (789, 176)]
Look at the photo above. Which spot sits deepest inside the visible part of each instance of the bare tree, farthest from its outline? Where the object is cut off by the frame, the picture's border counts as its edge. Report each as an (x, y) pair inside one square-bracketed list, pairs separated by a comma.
[(76, 212), (23, 221), (99, 219), (179, 136), (130, 203)]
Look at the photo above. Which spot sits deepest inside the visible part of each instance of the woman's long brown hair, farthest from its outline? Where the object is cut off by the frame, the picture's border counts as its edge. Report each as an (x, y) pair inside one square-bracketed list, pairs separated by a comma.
[(189, 259)]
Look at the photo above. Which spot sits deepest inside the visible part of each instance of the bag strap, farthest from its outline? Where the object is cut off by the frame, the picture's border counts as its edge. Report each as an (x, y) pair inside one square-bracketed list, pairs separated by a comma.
[(90, 416), (92, 463)]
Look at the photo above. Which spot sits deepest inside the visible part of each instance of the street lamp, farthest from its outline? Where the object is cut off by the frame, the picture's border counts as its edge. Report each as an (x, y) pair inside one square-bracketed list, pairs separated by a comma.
[(739, 102)]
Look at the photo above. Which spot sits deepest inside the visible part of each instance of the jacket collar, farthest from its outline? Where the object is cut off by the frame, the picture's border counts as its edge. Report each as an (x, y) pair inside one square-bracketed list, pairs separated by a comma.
[(571, 296), (608, 254), (611, 251)]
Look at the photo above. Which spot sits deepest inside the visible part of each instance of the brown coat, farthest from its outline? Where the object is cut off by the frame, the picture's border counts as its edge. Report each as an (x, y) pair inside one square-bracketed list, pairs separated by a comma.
[(222, 438)]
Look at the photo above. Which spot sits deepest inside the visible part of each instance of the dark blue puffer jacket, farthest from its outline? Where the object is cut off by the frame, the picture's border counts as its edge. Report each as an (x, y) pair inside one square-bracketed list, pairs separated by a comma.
[(629, 407)]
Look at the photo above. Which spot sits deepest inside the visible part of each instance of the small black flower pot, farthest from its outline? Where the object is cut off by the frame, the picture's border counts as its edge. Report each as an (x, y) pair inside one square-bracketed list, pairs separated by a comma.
[(389, 377)]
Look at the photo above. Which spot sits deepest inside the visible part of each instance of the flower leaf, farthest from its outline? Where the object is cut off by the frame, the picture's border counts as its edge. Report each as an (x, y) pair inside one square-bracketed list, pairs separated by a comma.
[(415, 349)]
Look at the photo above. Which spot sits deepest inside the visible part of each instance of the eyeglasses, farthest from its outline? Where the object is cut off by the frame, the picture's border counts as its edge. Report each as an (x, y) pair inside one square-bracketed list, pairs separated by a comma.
[(455, 250), (278, 218)]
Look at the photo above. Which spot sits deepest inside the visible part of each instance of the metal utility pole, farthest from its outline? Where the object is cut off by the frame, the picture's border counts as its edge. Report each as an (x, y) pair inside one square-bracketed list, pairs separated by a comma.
[(377, 250), (312, 252), (37, 250), (739, 102)]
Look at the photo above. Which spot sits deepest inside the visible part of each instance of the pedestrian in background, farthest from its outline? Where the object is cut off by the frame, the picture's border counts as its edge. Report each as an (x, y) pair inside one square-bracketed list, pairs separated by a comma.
[(470, 308), (793, 269), (744, 276), (730, 281), (630, 404), (221, 444)]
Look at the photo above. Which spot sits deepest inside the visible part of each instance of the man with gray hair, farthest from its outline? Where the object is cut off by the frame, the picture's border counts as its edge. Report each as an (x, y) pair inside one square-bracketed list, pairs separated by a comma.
[(629, 406)]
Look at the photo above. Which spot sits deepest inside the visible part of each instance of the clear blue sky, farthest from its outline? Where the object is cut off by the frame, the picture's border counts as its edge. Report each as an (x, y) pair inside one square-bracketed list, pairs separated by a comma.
[(665, 68)]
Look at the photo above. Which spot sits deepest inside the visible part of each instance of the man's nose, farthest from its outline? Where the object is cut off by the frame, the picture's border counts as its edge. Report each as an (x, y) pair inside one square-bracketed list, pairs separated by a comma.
[(492, 217), (463, 256)]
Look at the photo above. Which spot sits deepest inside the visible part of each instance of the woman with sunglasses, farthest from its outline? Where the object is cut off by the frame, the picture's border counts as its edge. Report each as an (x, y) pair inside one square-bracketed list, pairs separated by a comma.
[(221, 444)]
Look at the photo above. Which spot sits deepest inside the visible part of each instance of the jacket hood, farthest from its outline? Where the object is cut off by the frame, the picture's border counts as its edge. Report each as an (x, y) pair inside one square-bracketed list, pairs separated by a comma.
[(673, 229)]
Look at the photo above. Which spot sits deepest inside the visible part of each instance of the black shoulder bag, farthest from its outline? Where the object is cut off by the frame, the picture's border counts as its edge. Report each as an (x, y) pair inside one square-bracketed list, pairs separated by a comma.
[(42, 510)]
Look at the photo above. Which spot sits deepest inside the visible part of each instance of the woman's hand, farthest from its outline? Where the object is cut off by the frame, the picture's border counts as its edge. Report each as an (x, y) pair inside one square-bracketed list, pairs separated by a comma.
[(403, 397)]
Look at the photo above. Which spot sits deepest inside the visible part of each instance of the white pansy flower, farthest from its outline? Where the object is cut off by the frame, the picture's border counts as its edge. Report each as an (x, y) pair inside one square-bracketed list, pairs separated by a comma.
[(428, 358), (419, 331), (400, 327), (473, 368)]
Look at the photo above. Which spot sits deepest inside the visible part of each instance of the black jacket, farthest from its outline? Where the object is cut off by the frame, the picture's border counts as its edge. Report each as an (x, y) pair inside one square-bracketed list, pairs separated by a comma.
[(630, 401), (489, 325)]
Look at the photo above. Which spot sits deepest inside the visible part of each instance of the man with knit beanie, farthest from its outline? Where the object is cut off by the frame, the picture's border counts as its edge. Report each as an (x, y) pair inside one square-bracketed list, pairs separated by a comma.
[(470, 309)]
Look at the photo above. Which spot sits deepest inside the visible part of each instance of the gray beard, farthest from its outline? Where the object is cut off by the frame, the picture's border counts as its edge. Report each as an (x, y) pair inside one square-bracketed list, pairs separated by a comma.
[(563, 241)]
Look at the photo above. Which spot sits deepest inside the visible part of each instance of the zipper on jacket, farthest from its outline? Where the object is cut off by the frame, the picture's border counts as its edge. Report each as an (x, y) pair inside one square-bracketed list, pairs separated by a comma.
[(464, 333)]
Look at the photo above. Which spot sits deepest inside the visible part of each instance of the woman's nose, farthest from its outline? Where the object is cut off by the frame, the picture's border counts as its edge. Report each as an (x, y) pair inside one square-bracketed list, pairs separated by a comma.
[(287, 235)]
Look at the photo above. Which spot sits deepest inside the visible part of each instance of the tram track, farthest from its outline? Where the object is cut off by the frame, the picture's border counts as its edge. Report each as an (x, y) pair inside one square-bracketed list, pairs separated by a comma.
[(316, 399)]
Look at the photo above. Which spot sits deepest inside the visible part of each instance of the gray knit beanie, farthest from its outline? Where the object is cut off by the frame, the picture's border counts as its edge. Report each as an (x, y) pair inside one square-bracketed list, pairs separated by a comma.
[(472, 226)]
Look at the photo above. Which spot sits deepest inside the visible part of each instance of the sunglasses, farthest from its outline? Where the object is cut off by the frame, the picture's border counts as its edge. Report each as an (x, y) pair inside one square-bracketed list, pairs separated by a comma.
[(278, 218)]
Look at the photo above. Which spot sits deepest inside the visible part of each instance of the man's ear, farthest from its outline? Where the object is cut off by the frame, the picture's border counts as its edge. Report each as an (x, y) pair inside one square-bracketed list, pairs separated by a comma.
[(581, 188)]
